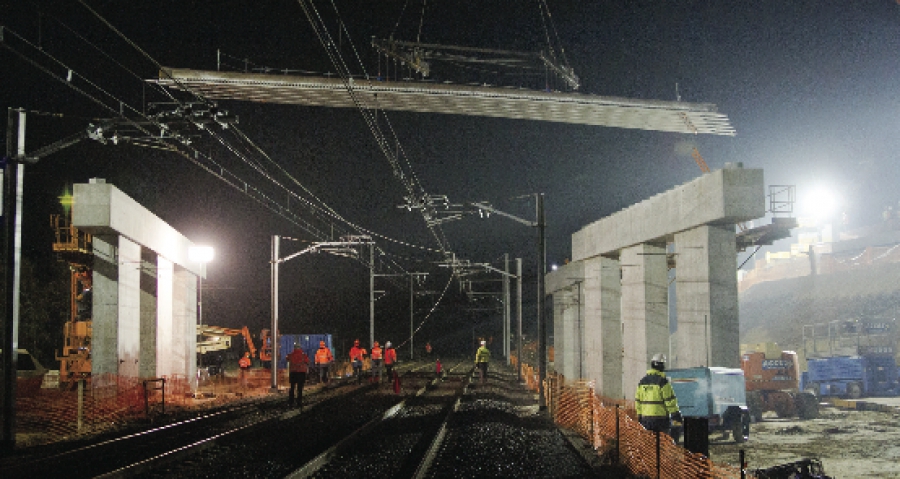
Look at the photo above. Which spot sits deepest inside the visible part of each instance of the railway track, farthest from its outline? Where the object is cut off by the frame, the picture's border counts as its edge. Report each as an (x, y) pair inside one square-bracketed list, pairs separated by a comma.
[(432, 429), (167, 448), (401, 443)]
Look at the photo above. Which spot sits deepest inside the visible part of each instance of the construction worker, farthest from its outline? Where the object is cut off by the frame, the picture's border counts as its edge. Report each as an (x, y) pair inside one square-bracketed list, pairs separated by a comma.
[(428, 348), (438, 369), (357, 354), (377, 360), (482, 358), (244, 364), (390, 359), (298, 366), (323, 361), (655, 400)]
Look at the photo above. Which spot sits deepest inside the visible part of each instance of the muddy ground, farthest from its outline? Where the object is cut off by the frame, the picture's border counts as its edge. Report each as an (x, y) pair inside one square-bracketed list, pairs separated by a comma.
[(850, 444)]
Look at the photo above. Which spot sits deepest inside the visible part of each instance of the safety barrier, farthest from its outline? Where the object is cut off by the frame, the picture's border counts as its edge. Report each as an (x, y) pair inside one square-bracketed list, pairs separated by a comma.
[(611, 427), (104, 402)]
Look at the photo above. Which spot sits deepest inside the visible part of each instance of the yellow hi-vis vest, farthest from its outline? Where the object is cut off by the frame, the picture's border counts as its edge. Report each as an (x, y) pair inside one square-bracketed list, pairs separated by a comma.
[(654, 396)]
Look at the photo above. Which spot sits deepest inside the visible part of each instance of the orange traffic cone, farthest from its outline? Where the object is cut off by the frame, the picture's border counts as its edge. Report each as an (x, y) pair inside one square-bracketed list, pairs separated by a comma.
[(396, 383)]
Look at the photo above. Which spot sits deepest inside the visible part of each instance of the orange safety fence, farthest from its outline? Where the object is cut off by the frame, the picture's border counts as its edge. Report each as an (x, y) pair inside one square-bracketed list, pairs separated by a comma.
[(611, 427), (103, 402)]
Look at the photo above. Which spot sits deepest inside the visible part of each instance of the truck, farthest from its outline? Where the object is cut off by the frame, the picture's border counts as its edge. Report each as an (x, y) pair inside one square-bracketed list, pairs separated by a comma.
[(773, 384), (852, 376), (714, 393)]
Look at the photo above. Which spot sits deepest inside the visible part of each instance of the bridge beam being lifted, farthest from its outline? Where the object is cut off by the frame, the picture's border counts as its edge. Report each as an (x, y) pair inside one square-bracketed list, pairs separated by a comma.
[(454, 99)]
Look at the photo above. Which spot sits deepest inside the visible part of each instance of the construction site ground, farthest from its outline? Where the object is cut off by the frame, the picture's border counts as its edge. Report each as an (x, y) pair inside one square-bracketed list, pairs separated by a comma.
[(850, 443)]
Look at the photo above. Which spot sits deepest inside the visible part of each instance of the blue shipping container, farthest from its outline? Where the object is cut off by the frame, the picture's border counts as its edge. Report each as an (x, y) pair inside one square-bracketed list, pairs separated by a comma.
[(309, 343)]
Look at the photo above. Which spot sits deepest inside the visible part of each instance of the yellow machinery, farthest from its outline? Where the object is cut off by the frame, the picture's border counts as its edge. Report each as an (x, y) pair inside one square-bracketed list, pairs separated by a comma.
[(215, 338), (74, 247)]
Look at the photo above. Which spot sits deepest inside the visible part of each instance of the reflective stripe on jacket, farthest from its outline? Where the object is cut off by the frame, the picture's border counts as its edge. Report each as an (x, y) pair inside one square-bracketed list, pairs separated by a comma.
[(376, 353), (323, 356), (654, 396), (298, 361)]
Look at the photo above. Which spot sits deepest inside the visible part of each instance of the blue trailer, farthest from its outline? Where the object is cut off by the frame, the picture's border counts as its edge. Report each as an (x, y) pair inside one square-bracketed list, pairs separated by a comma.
[(715, 393), (851, 376), (309, 343)]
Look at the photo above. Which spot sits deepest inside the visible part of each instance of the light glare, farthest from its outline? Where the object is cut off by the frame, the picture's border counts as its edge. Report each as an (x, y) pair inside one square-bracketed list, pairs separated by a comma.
[(200, 254)]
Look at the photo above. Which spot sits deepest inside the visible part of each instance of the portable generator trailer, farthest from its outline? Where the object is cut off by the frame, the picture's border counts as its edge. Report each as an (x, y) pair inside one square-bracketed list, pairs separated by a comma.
[(715, 393)]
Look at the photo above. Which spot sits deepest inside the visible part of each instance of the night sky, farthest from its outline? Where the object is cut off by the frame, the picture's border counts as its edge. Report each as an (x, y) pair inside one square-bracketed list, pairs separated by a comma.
[(810, 86)]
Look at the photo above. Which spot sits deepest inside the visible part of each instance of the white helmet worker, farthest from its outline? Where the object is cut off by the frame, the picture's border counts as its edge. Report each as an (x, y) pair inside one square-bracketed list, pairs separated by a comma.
[(658, 361)]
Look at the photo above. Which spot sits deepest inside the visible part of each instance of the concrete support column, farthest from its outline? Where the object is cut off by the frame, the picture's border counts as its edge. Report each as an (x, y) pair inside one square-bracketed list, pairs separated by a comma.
[(148, 315), (560, 345), (129, 307), (603, 325), (706, 283), (575, 330), (105, 310), (645, 316), (184, 322), (166, 366)]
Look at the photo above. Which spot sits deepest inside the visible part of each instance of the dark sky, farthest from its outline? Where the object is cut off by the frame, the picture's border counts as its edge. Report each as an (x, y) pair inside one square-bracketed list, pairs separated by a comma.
[(810, 86)]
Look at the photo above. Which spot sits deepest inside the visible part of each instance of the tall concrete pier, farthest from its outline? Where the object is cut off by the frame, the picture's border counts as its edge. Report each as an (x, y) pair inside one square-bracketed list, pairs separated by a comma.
[(611, 310), (144, 287)]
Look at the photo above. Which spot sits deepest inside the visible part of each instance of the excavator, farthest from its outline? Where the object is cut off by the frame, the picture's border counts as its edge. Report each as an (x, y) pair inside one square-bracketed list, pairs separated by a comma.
[(216, 338)]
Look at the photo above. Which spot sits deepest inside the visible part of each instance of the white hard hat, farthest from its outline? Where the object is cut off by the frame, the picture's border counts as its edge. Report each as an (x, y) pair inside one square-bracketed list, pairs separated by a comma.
[(387, 344), (483, 343), (659, 358)]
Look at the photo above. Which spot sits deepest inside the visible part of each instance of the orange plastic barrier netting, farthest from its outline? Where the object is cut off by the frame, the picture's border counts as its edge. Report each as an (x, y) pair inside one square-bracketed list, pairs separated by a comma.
[(612, 429), (46, 415)]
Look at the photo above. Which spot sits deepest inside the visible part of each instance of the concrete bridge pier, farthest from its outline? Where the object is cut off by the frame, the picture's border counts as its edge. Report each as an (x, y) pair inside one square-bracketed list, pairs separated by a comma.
[(706, 298), (144, 288), (645, 314)]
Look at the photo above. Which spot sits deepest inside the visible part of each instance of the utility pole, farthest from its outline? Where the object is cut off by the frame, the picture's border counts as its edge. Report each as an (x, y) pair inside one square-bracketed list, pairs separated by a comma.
[(371, 295), (274, 335), (506, 332), (542, 326), (411, 310), (519, 315), (14, 175)]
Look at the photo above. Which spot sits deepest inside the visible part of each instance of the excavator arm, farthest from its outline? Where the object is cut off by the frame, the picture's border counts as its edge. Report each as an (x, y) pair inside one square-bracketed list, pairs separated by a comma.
[(216, 338)]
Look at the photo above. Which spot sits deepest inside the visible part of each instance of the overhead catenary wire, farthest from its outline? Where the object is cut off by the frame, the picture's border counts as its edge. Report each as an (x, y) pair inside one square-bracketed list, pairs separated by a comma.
[(197, 157), (411, 185), (208, 163)]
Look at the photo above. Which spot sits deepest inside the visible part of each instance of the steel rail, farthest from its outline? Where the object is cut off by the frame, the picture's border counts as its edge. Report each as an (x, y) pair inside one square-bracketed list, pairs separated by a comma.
[(312, 467)]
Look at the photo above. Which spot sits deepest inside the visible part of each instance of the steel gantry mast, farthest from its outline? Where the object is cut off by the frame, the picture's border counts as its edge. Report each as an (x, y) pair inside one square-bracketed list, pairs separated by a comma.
[(345, 247)]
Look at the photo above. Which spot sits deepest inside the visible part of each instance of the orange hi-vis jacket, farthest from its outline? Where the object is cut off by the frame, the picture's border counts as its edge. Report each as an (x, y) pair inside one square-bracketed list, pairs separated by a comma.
[(323, 356), (299, 361), (357, 353), (244, 362), (390, 356), (376, 353)]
